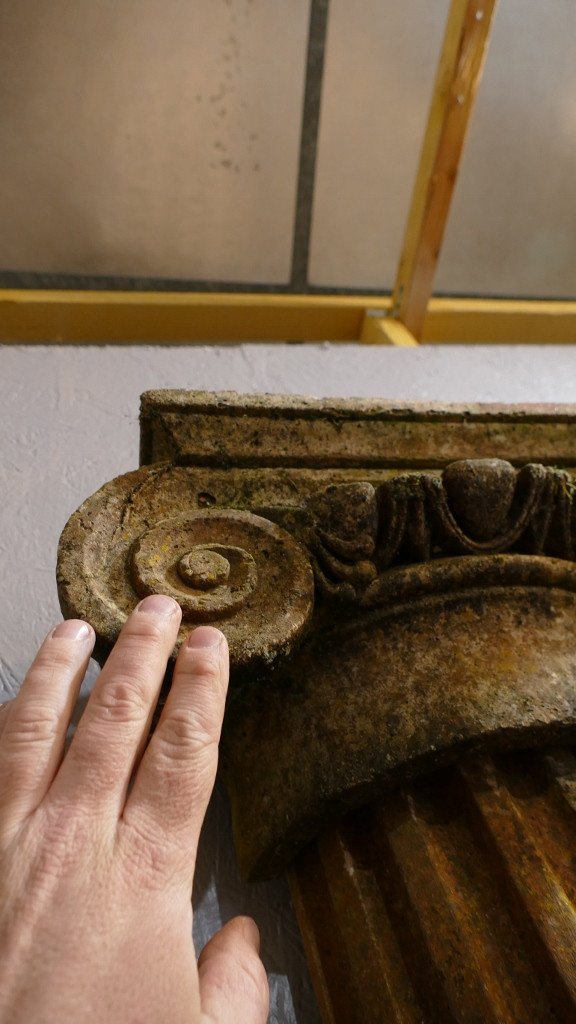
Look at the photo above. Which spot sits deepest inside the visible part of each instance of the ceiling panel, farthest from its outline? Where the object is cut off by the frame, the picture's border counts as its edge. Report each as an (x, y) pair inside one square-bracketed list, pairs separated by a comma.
[(512, 229), (159, 140), (380, 65), (150, 137)]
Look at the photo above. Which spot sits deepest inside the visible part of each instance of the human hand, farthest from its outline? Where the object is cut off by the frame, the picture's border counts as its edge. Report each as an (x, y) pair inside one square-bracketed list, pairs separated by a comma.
[(98, 845)]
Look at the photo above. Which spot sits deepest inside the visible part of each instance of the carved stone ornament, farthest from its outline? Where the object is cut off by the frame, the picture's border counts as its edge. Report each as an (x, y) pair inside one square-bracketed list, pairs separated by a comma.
[(381, 617)]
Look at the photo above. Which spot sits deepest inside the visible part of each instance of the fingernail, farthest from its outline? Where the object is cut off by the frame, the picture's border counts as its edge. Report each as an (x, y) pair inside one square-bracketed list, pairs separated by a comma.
[(205, 636), (158, 604), (72, 629)]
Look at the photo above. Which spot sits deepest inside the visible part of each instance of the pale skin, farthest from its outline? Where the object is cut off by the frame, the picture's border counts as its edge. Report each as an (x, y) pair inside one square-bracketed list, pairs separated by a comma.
[(98, 844)]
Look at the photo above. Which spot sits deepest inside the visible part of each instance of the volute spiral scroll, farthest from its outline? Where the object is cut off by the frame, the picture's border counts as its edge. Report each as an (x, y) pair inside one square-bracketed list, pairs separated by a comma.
[(222, 566), (181, 558)]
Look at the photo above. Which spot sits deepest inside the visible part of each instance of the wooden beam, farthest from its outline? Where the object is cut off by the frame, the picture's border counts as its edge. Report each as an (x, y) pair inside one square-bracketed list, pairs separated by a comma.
[(187, 318), (458, 76), (176, 318), (500, 322)]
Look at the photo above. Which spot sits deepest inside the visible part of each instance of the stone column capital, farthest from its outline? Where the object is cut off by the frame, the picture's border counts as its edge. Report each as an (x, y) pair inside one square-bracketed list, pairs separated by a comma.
[(396, 584)]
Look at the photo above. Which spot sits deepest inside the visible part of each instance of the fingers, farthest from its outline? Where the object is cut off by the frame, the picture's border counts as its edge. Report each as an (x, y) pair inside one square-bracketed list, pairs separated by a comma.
[(233, 983), (33, 726), (99, 763), (176, 776)]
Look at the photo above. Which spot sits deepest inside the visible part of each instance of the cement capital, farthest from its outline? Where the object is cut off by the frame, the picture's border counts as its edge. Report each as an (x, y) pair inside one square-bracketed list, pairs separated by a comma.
[(384, 612)]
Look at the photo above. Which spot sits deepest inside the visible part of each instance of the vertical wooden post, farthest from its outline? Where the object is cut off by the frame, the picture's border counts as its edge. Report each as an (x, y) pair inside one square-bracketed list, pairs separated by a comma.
[(459, 72)]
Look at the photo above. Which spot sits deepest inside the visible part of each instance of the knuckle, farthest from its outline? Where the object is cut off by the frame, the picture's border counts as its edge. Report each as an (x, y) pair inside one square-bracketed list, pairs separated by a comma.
[(34, 722), (204, 680), (145, 632), (182, 735), (253, 974), (201, 666), (60, 827), (147, 856), (63, 838), (54, 656), (120, 699), (52, 659), (246, 973)]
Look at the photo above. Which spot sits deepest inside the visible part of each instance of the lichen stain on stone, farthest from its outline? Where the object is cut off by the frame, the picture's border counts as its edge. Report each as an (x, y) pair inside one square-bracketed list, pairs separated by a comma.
[(414, 592)]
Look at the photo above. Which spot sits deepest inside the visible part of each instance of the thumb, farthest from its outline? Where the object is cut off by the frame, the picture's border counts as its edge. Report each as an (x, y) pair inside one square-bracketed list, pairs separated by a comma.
[(233, 983)]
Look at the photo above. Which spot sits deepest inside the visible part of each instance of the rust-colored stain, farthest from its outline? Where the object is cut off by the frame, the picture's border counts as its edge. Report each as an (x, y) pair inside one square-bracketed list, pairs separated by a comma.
[(398, 589), (452, 899)]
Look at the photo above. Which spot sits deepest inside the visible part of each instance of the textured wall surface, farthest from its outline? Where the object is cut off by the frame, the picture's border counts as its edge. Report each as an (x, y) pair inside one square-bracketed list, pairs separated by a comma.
[(69, 422)]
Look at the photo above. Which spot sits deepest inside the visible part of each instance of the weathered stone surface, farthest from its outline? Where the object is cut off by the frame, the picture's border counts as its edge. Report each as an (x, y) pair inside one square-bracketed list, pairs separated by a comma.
[(356, 532), (388, 600), (138, 535), (367, 704), (480, 494), (225, 429), (452, 898)]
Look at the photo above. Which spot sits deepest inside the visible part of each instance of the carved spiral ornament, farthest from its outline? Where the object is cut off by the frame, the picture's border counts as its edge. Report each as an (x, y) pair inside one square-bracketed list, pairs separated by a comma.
[(225, 567), (208, 579)]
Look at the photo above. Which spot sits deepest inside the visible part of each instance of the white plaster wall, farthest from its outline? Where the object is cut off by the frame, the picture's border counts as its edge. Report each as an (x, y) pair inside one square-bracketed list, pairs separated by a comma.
[(69, 422)]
